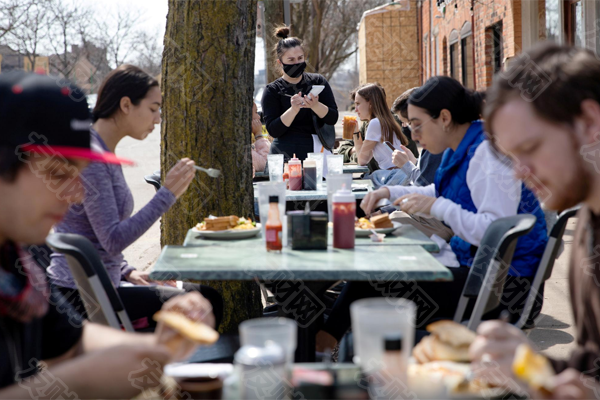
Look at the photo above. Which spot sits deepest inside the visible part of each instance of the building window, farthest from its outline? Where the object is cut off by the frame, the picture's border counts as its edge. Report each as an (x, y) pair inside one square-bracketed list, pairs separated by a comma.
[(426, 51), (454, 60), (495, 34), (444, 56), (436, 68), (553, 20), (574, 22), (466, 46)]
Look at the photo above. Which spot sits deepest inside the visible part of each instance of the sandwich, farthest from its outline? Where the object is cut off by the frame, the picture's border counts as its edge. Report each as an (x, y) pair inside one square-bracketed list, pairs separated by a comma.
[(187, 329), (449, 341), (220, 223), (533, 368), (382, 221)]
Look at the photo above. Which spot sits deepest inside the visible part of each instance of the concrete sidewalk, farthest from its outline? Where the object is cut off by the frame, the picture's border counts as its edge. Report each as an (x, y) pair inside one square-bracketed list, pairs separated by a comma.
[(554, 335)]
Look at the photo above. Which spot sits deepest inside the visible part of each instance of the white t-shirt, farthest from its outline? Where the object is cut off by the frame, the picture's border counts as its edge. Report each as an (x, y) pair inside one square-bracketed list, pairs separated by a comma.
[(381, 153)]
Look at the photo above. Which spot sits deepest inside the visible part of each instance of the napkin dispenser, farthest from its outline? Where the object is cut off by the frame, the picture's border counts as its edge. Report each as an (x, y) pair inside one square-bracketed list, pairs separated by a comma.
[(307, 231)]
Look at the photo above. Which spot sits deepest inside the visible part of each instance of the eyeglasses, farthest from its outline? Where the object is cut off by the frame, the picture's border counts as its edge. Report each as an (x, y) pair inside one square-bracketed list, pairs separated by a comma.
[(417, 129)]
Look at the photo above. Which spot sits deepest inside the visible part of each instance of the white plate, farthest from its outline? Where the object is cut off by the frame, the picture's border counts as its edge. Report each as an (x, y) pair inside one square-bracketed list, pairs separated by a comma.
[(229, 234), (363, 233)]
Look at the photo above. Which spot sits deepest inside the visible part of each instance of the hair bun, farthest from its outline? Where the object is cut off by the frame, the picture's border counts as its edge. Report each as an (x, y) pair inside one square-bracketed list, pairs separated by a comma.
[(282, 32)]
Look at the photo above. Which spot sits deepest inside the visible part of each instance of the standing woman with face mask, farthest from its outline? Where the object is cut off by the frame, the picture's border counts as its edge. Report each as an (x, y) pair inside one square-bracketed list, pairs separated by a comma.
[(290, 112)]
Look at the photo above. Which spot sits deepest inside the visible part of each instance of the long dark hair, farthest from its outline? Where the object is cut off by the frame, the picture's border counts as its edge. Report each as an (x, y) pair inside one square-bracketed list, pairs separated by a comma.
[(445, 93), (375, 95), (125, 81)]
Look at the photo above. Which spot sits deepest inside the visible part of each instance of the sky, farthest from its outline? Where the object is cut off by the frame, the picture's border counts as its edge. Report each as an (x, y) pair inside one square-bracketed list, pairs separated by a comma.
[(155, 18)]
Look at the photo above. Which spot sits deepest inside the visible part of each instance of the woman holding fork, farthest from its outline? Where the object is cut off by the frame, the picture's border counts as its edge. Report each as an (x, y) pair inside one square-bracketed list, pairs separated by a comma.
[(291, 113), (128, 104)]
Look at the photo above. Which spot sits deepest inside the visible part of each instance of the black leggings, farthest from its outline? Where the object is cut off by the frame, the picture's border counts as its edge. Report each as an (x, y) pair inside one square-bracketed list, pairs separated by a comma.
[(434, 300), (142, 302)]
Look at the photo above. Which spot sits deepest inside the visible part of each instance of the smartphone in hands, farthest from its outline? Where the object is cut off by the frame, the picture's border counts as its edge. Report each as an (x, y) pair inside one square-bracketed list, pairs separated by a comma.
[(316, 90)]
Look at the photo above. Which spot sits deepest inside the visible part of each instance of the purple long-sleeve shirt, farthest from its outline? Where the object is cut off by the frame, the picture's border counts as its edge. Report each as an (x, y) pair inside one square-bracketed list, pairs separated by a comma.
[(105, 219)]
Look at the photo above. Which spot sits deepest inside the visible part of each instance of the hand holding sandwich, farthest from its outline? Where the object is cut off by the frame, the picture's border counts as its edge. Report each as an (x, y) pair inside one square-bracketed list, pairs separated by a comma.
[(495, 346), (185, 322)]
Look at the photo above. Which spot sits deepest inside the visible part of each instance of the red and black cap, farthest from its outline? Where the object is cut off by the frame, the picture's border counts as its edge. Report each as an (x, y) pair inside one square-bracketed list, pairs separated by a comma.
[(47, 115)]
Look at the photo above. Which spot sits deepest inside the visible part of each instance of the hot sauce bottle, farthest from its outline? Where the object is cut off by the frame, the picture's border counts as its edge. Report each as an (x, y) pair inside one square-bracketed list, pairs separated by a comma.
[(344, 214), (295, 167), (273, 228)]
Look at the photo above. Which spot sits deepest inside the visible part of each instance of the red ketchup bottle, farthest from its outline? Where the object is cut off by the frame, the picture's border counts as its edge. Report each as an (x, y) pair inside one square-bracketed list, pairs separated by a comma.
[(273, 227), (344, 213), (295, 167)]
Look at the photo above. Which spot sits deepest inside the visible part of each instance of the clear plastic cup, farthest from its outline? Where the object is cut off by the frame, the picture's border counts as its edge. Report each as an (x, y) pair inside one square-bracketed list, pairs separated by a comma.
[(372, 320), (275, 162), (335, 164), (282, 331), (319, 158), (266, 189), (335, 183)]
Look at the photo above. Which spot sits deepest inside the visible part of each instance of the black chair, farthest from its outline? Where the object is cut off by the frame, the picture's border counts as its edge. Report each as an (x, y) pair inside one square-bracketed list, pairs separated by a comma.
[(40, 254), (101, 300), (154, 180), (544, 270), (487, 275)]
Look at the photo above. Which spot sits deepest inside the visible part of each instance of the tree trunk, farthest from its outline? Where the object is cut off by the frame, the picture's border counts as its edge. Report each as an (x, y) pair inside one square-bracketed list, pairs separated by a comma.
[(273, 18), (207, 84)]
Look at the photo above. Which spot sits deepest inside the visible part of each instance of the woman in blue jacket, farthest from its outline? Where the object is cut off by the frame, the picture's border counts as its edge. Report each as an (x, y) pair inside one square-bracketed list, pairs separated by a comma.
[(473, 187)]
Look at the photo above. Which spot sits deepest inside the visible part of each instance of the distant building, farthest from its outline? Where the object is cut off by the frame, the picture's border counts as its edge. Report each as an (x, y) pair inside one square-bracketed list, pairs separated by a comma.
[(470, 40), (86, 66), (11, 59)]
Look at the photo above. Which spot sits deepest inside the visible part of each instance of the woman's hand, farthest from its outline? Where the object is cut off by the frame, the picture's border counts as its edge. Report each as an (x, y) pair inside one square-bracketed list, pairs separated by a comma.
[(195, 307), (493, 351), (142, 278), (311, 101), (297, 102), (402, 156), (369, 201), (572, 384), (180, 176), (414, 203), (256, 127)]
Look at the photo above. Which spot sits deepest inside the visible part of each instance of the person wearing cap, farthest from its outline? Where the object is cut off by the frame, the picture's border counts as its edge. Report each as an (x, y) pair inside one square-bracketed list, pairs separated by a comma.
[(128, 104), (44, 146)]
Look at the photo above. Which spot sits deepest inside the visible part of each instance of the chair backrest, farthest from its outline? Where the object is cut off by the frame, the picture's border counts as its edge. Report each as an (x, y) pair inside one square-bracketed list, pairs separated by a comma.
[(490, 266), (153, 180), (102, 302), (547, 262)]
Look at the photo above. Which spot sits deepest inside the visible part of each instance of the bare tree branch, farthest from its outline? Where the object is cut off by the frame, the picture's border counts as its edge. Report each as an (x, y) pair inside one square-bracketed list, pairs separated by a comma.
[(329, 30)]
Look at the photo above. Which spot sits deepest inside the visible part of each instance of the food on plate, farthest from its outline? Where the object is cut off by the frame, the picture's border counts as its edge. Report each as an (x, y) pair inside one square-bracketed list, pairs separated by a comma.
[(442, 358), (456, 377), (244, 224), (533, 368), (449, 341), (382, 221), (225, 223), (363, 223), (188, 329)]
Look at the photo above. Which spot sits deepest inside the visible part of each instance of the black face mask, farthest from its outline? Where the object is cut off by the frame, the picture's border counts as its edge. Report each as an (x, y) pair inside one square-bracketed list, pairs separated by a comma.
[(294, 70)]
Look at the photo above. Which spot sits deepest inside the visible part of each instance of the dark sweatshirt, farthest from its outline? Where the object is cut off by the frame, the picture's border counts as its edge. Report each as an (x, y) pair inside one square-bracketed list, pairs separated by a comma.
[(297, 138)]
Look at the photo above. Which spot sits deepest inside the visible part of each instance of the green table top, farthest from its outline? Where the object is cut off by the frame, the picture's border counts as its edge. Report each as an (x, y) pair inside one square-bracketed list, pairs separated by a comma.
[(218, 261), (406, 235), (321, 193)]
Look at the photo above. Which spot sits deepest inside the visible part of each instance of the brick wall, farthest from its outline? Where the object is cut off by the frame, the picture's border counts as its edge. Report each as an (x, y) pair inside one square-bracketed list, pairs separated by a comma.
[(456, 15), (389, 49)]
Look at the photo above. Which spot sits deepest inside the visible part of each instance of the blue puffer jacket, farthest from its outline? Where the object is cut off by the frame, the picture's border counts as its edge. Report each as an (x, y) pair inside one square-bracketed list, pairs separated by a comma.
[(451, 183)]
